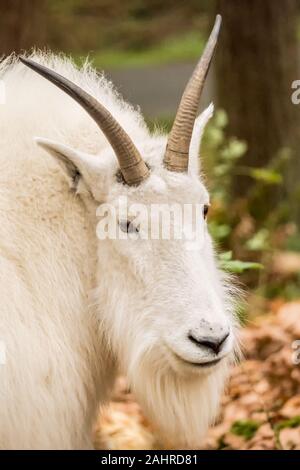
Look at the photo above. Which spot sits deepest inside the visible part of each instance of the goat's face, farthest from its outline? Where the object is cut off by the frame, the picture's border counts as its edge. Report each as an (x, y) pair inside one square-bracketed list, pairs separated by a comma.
[(167, 300)]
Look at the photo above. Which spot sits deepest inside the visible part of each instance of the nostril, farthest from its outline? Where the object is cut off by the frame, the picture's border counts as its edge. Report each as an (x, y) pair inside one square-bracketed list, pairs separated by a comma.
[(209, 342)]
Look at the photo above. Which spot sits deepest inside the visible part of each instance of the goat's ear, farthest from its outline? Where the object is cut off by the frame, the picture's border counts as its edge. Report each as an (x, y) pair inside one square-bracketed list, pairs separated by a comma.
[(199, 126), (84, 171)]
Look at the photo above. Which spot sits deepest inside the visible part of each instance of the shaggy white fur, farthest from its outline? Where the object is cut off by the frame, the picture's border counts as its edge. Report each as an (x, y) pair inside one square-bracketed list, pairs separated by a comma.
[(63, 347)]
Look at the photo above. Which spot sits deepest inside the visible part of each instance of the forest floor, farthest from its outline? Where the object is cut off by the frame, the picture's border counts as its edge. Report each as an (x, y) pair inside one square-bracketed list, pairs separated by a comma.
[(260, 407)]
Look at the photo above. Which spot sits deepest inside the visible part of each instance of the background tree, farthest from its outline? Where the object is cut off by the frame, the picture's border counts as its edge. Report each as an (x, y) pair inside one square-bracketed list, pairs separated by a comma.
[(22, 25), (256, 65)]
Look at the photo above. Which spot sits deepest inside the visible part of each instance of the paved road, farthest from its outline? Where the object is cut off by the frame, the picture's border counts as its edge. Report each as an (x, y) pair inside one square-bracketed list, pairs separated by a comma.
[(157, 90)]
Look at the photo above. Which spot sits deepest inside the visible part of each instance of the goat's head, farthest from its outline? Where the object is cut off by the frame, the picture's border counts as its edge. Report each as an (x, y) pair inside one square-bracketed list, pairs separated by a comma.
[(165, 310)]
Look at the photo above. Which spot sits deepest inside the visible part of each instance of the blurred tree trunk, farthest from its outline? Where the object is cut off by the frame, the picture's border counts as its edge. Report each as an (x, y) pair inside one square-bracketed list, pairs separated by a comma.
[(21, 25), (257, 63)]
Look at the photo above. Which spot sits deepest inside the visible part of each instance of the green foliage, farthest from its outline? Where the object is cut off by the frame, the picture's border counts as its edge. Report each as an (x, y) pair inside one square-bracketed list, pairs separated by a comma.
[(242, 226), (245, 428), (293, 422), (265, 175), (174, 49), (219, 231), (288, 423), (247, 238), (224, 154), (259, 241), (135, 33), (235, 266)]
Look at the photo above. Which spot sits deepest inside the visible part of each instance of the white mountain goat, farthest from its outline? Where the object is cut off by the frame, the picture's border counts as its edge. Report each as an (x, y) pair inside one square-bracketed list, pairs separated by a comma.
[(160, 312)]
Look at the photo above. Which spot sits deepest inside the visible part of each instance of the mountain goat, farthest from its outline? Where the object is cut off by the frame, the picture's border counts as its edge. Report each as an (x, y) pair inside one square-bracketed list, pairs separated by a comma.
[(77, 308)]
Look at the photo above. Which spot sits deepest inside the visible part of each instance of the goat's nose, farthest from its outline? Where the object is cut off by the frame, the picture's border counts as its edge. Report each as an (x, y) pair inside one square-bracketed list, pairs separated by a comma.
[(210, 342)]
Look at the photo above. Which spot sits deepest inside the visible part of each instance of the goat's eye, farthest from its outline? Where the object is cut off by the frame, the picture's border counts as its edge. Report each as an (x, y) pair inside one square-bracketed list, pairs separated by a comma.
[(205, 210), (128, 227)]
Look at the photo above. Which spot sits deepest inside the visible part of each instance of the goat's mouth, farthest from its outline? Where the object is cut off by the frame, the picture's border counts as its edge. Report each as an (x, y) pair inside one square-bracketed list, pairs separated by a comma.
[(205, 364)]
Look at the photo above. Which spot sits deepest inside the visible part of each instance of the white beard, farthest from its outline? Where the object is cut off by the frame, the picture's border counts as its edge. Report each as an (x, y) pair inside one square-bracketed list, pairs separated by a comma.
[(181, 409)]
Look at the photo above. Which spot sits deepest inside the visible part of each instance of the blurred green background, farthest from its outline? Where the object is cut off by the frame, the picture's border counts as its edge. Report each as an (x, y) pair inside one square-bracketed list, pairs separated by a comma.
[(251, 150)]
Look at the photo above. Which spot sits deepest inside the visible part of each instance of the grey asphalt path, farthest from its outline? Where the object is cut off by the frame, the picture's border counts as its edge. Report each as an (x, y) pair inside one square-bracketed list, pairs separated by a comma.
[(157, 90)]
